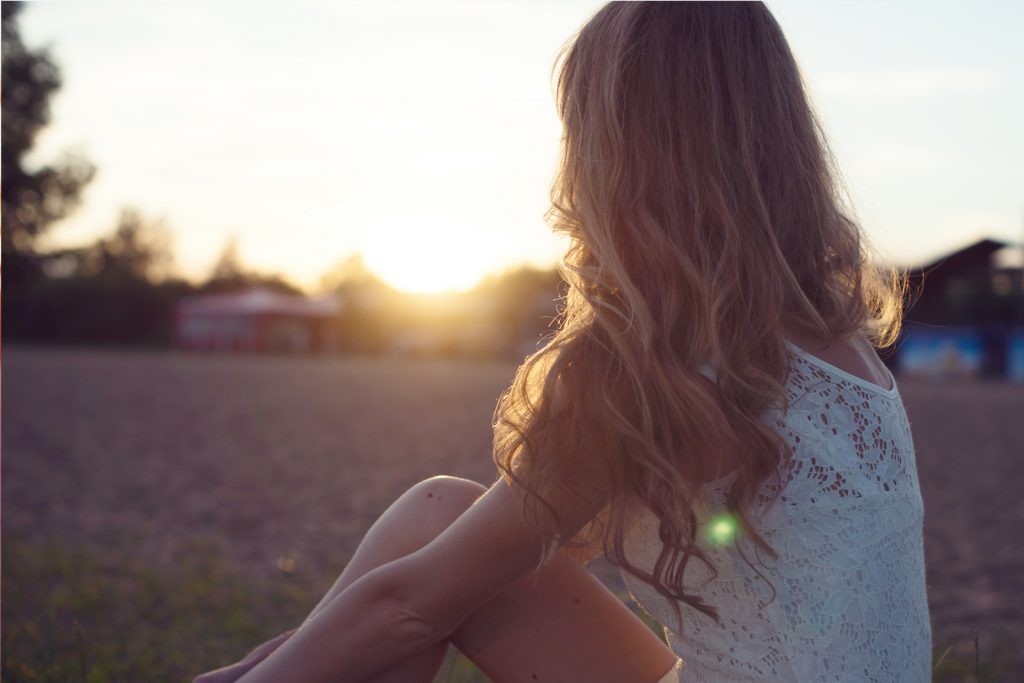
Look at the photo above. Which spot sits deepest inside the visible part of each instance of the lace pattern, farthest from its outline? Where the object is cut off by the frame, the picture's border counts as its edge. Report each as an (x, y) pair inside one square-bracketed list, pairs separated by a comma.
[(850, 602)]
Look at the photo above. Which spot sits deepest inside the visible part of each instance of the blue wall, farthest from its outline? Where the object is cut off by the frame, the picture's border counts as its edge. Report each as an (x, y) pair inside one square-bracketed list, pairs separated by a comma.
[(934, 352)]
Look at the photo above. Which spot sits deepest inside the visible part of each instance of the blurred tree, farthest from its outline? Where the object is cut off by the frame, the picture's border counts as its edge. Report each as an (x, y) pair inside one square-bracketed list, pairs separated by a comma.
[(525, 303), (113, 291), (372, 315), (349, 273), (136, 251), (230, 274), (229, 263), (32, 200)]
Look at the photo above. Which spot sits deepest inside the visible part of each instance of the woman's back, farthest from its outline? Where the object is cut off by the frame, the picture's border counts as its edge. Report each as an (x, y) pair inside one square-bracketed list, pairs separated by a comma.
[(850, 601)]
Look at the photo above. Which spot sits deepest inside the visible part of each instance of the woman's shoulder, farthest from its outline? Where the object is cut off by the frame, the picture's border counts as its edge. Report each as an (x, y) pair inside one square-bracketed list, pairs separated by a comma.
[(853, 356)]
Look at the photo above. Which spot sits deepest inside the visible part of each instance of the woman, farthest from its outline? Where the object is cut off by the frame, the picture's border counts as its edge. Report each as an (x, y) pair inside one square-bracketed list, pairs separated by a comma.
[(710, 414)]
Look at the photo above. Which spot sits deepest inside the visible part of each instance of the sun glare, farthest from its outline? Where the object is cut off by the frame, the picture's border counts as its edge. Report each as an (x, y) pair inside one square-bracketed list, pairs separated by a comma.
[(430, 254)]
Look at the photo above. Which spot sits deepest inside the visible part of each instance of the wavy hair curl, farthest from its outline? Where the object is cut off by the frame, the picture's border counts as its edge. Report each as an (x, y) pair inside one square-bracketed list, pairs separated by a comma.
[(706, 223)]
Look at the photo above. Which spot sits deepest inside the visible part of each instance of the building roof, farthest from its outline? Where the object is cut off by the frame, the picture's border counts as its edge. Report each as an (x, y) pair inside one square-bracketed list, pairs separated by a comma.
[(978, 253), (259, 300)]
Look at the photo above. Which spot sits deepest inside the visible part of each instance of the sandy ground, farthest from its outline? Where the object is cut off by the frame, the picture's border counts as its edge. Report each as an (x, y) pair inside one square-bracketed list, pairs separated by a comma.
[(278, 457)]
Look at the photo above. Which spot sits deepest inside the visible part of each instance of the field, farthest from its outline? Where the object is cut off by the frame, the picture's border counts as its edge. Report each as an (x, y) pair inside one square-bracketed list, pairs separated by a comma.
[(163, 512)]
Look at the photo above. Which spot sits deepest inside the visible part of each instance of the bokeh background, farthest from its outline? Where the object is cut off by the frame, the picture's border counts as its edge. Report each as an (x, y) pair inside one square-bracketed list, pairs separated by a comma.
[(266, 265)]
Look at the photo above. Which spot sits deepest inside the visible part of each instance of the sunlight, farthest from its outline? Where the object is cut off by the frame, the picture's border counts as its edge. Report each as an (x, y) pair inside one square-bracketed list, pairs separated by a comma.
[(430, 253)]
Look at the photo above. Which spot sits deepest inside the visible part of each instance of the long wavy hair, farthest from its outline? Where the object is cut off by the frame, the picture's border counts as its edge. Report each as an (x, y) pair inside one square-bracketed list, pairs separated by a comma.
[(706, 221)]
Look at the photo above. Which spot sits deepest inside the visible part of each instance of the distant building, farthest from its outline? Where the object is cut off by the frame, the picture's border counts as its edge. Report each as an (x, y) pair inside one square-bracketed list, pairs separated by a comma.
[(965, 316), (257, 320)]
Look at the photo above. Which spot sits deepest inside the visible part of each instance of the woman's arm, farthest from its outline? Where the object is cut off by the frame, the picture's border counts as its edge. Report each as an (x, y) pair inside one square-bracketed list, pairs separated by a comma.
[(409, 604), (363, 631)]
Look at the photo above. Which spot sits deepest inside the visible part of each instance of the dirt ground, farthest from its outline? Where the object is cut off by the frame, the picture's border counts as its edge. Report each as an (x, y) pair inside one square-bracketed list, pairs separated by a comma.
[(295, 457)]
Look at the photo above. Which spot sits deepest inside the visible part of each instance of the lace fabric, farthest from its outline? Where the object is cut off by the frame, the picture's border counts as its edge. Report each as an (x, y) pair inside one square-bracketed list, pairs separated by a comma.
[(849, 601)]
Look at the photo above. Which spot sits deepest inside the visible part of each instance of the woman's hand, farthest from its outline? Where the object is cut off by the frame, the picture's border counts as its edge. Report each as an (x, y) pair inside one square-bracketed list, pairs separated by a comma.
[(231, 673)]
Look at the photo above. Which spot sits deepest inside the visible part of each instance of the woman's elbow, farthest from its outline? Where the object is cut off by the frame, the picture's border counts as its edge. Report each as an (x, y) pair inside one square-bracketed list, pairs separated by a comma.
[(415, 619), (412, 625), (384, 605)]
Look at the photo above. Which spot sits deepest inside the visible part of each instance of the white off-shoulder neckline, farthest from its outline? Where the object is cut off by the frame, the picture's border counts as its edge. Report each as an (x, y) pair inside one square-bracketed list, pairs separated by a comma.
[(849, 377)]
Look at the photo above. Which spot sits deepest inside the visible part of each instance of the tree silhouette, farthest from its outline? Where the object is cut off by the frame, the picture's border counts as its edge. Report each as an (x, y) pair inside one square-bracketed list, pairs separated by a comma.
[(229, 274), (32, 200), (137, 250), (229, 263), (350, 272)]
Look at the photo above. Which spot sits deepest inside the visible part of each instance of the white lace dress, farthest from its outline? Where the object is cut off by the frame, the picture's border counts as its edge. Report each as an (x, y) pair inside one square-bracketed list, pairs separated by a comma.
[(851, 604)]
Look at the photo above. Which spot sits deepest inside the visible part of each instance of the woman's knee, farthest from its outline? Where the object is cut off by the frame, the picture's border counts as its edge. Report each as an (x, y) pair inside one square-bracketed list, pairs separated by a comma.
[(415, 519), (438, 501), (446, 492)]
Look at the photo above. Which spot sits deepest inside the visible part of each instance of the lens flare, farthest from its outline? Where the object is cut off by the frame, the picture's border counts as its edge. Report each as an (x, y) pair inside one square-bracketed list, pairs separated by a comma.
[(721, 529)]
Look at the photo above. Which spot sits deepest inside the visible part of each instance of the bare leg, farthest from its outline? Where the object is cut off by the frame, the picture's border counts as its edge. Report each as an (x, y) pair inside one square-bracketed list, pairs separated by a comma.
[(565, 626), (413, 520)]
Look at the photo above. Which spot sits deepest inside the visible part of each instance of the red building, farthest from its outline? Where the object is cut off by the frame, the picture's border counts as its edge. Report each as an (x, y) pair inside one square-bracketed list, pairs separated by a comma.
[(258, 320)]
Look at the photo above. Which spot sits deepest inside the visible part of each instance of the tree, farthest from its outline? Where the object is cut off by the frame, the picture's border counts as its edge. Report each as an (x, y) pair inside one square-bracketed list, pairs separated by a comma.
[(350, 273), (371, 318), (229, 263), (32, 200), (230, 274), (115, 290), (137, 250)]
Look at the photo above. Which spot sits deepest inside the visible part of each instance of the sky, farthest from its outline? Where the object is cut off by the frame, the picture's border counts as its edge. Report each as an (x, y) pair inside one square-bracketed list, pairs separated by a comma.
[(424, 134)]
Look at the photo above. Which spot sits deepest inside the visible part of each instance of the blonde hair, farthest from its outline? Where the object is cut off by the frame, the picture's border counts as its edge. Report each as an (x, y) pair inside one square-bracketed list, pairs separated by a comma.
[(704, 211)]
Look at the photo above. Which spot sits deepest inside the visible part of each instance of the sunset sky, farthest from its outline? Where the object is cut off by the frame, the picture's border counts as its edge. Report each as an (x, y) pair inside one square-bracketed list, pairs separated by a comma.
[(425, 135)]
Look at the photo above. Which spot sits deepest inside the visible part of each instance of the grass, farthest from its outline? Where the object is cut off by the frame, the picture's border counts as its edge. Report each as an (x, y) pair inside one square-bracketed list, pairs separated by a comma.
[(72, 615), (969, 666)]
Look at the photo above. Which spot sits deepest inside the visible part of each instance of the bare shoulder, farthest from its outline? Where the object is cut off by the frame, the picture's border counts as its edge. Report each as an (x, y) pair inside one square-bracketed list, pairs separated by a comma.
[(853, 354)]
